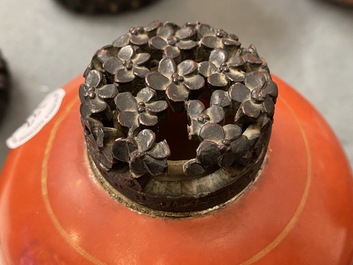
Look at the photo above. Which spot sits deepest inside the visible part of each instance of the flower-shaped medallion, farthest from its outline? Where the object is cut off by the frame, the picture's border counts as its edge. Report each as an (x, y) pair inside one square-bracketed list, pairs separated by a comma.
[(220, 70), (172, 41), (176, 81), (127, 65), (142, 153), (139, 110)]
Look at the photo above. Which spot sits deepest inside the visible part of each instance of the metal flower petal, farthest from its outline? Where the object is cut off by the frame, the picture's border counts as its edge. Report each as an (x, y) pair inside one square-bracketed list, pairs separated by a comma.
[(208, 153), (93, 78), (232, 131), (235, 75), (240, 145), (152, 26), (269, 106), (250, 109), (236, 61), (124, 76), (239, 93), (157, 106), (171, 52), (137, 164), (165, 31), (212, 42), (158, 42), (122, 40), (167, 67), (220, 98), (106, 52), (255, 80), (207, 68), (122, 149), (145, 95), (113, 65), (141, 58), (195, 82), (125, 101), (154, 166), (218, 57), (184, 33), (147, 119), (126, 53), (145, 139), (252, 58), (136, 35), (271, 89), (177, 93), (186, 44), (157, 81), (140, 71), (160, 151), (213, 132), (96, 105), (205, 30), (227, 159), (217, 80), (129, 119), (186, 67), (215, 113), (193, 167), (107, 91)]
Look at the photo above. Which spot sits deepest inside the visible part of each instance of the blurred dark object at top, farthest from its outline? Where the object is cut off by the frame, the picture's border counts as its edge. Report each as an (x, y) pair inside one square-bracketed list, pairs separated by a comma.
[(103, 6), (343, 2), (4, 86)]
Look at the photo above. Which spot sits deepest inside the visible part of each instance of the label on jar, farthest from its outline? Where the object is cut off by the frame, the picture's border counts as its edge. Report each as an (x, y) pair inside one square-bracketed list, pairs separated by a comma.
[(45, 111)]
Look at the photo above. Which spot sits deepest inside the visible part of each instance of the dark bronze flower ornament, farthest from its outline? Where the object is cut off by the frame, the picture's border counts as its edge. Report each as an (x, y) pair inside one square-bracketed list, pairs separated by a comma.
[(137, 35), (177, 81), (151, 72), (143, 155), (198, 116), (216, 38), (221, 145), (219, 70), (171, 41), (139, 110), (127, 64)]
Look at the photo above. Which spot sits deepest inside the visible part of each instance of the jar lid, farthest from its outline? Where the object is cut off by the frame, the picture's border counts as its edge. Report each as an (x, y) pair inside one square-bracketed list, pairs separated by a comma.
[(177, 119)]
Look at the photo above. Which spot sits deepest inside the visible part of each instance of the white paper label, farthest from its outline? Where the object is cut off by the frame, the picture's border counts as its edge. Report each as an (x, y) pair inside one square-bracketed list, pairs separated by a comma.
[(38, 119)]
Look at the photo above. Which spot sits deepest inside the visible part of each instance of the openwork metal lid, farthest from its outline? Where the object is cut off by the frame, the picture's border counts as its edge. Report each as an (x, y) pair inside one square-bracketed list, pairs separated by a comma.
[(177, 119)]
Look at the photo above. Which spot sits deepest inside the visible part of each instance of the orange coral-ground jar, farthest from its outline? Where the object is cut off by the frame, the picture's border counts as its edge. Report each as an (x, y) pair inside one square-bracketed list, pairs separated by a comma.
[(298, 211)]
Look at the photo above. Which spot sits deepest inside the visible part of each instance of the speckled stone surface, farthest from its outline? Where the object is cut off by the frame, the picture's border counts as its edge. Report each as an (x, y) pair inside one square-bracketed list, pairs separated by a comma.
[(306, 42)]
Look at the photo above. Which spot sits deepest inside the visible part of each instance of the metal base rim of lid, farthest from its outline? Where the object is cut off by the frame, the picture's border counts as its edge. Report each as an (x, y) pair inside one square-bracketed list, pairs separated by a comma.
[(143, 209)]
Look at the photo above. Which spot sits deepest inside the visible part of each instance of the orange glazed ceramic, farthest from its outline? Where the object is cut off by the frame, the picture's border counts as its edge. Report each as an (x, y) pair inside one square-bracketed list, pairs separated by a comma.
[(298, 211)]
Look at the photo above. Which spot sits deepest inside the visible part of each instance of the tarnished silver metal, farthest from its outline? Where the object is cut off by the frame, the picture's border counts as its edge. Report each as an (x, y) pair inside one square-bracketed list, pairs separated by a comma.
[(4, 86), (140, 81), (103, 6)]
